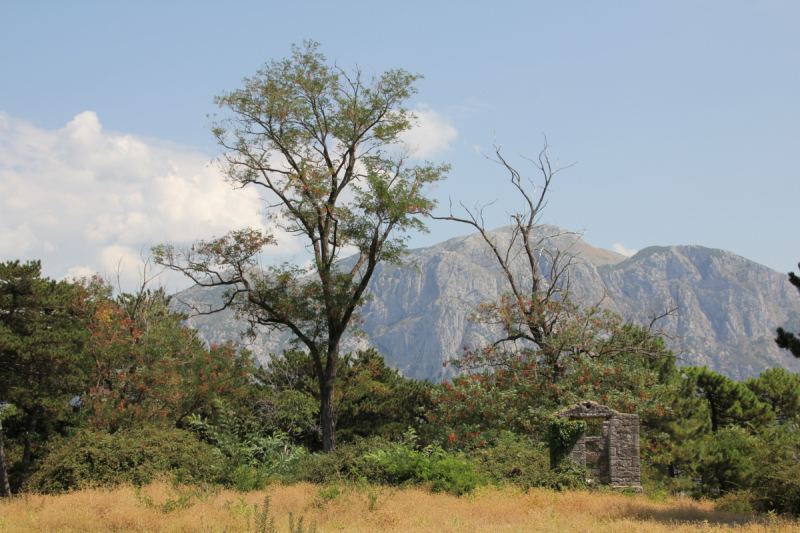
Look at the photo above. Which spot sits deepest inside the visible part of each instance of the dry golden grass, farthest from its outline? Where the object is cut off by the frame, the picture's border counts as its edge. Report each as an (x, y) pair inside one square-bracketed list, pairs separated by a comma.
[(120, 510)]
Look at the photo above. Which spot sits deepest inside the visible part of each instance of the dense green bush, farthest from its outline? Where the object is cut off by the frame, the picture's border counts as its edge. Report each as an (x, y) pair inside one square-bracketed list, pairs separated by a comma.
[(346, 463), (516, 460), (248, 457), (727, 460), (378, 460), (136, 456), (754, 465), (441, 471), (776, 475)]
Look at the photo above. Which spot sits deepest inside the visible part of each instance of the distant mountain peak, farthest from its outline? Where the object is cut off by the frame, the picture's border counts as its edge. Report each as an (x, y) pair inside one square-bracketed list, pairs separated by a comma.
[(728, 306)]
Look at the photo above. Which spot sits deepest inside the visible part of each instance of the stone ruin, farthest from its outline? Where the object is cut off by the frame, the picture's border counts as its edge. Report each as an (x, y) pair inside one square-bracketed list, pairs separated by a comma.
[(616, 452)]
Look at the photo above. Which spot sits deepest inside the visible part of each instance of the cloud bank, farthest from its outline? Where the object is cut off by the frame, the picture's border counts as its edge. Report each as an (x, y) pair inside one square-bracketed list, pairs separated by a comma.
[(84, 200)]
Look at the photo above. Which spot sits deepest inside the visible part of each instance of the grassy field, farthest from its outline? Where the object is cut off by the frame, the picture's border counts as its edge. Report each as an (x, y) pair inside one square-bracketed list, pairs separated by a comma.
[(160, 508)]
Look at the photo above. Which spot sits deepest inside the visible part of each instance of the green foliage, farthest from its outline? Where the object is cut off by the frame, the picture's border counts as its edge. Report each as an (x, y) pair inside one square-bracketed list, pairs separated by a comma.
[(371, 398), (41, 361), (758, 464), (299, 527), (431, 466), (668, 436), (136, 456), (40, 340), (729, 402), (146, 367), (742, 502), (264, 523), (377, 460), (515, 460), (376, 399), (248, 459), (561, 434), (778, 389), (727, 459), (514, 392), (347, 463), (776, 478)]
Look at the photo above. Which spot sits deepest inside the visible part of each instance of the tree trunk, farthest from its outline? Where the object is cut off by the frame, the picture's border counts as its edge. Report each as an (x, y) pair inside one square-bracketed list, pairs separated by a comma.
[(26, 456), (5, 488), (713, 406), (327, 407)]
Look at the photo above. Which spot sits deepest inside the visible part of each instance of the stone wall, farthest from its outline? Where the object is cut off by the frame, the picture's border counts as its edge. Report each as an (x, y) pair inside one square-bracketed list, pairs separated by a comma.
[(616, 451), (623, 451)]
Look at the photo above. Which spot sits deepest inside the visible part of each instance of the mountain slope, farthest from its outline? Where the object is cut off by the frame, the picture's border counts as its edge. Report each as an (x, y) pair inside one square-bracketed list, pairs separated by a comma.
[(728, 306)]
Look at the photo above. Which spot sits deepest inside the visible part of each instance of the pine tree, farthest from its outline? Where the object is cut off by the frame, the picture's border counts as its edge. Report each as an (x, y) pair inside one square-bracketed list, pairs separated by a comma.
[(786, 340), (729, 401), (780, 389), (40, 346)]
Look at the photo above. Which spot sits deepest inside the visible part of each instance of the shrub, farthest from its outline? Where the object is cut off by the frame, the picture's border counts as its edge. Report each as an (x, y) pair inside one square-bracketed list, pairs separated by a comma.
[(136, 456), (248, 458), (742, 502), (727, 460), (442, 471), (347, 462), (381, 461), (776, 476), (515, 460)]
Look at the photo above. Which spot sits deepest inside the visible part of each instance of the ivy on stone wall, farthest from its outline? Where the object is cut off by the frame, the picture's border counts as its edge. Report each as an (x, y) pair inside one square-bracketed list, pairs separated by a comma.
[(561, 435)]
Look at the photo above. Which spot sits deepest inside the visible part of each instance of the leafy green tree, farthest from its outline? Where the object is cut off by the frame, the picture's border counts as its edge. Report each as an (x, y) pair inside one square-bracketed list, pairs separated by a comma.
[(248, 456), (729, 401), (727, 460), (787, 340), (780, 390), (41, 345), (776, 479), (378, 400), (147, 367), (761, 462), (315, 139), (668, 436), (372, 399)]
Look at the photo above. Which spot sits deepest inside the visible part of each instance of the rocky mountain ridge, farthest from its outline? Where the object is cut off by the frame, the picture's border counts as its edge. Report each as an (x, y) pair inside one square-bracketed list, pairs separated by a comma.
[(728, 306)]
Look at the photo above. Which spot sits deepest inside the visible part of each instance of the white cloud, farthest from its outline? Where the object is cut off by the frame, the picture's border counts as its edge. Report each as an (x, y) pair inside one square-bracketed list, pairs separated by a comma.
[(620, 249), (433, 132), (81, 198), (78, 272)]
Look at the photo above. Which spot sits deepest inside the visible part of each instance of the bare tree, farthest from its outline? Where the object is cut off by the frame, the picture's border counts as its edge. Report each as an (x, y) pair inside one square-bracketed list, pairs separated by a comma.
[(538, 309)]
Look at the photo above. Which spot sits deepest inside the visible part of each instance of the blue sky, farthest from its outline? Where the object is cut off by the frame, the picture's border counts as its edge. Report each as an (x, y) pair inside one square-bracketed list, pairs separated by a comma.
[(683, 117)]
